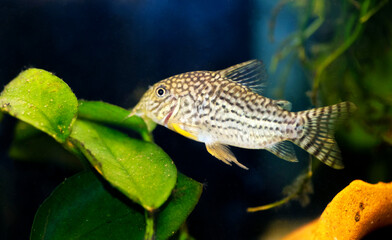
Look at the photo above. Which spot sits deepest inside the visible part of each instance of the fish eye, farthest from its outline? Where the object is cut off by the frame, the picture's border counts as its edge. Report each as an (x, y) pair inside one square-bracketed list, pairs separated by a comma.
[(160, 91)]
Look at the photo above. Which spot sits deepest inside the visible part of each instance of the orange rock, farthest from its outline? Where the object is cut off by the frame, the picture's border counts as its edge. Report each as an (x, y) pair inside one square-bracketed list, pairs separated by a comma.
[(356, 211)]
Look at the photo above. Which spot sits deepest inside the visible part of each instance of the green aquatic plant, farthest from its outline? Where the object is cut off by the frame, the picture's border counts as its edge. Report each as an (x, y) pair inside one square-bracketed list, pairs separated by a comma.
[(345, 50), (135, 189), (353, 62), (345, 21)]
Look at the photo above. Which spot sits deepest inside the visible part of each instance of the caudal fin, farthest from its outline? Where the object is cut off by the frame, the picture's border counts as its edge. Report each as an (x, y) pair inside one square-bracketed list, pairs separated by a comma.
[(318, 132)]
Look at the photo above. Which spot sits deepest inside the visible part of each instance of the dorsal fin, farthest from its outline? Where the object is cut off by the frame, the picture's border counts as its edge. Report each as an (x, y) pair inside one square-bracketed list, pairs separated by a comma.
[(251, 74)]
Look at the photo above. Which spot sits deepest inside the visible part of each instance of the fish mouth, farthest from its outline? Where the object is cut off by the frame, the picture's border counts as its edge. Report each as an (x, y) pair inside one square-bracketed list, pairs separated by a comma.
[(173, 110)]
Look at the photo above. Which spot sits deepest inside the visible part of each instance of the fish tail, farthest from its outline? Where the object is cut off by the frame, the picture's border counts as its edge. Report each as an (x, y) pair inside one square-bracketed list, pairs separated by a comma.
[(317, 135)]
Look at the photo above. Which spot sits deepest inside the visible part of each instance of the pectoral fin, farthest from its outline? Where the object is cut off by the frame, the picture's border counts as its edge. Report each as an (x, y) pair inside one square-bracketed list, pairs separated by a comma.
[(223, 153), (284, 150)]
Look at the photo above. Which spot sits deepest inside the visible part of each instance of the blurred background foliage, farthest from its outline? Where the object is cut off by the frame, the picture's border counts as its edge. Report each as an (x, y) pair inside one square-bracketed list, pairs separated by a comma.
[(317, 53), (345, 48)]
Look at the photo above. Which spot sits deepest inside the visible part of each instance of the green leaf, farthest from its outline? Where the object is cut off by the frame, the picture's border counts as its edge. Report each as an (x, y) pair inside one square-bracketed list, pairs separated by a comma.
[(106, 113), (82, 208), (185, 196), (43, 100), (140, 170)]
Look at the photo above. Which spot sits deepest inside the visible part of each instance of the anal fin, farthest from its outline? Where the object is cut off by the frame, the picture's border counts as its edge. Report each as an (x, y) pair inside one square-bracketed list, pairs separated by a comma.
[(284, 150), (223, 153)]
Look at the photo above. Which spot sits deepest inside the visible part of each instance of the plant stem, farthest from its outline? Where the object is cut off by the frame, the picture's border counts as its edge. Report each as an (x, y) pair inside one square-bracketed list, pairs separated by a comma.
[(150, 225), (147, 136), (365, 14), (332, 57), (271, 205), (304, 180), (371, 12)]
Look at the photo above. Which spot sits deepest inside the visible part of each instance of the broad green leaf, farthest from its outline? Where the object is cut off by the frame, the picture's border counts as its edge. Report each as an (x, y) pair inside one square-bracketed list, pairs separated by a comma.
[(140, 170), (102, 112), (43, 100), (181, 203), (82, 208)]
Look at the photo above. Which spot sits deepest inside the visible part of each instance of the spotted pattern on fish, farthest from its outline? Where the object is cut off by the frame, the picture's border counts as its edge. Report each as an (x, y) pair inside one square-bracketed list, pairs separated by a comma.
[(221, 108)]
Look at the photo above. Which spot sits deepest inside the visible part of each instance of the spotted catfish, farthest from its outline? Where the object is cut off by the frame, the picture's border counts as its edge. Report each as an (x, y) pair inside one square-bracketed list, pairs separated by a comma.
[(221, 108)]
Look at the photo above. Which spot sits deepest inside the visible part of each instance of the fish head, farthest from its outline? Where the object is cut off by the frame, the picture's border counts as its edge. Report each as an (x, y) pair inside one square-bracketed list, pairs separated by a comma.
[(158, 103)]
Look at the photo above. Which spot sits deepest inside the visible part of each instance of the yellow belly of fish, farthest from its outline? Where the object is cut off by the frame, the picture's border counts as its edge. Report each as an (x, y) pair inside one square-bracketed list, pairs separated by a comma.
[(176, 127)]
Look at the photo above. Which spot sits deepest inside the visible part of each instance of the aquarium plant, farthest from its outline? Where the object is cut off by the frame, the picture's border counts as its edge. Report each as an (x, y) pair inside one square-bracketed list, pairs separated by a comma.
[(128, 187)]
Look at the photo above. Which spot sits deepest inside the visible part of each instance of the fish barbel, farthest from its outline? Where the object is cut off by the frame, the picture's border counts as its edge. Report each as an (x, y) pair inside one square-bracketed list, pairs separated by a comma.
[(221, 108)]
